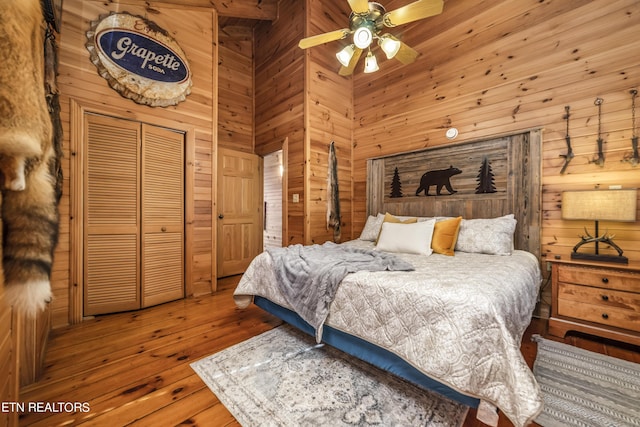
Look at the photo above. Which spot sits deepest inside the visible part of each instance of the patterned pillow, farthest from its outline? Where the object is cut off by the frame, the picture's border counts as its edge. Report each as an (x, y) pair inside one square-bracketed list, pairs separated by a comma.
[(492, 236), (371, 228)]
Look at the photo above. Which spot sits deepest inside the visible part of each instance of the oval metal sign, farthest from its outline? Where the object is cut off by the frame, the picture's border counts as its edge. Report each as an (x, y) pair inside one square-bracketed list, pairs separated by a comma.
[(139, 59), (142, 55)]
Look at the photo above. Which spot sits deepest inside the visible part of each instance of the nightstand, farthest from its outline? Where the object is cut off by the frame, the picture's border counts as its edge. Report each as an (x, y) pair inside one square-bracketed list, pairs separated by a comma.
[(596, 298)]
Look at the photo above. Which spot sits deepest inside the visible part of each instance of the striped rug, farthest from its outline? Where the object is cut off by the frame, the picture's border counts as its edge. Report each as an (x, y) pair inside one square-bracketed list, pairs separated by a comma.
[(582, 388)]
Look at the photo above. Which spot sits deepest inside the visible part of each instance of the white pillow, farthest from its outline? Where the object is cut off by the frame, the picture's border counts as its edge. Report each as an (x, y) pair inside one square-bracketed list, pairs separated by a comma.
[(371, 228), (407, 238), (493, 236)]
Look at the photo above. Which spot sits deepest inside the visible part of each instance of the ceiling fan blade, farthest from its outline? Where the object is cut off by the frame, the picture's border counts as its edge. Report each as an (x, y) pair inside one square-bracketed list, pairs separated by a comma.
[(347, 71), (412, 12), (323, 38), (359, 6), (406, 54)]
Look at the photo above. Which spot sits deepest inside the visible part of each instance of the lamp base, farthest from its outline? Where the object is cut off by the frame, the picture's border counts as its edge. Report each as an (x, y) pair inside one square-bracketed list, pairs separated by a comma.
[(601, 258)]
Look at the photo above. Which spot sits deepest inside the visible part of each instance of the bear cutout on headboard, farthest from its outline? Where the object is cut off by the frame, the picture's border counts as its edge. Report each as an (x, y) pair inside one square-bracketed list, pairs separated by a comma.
[(27, 159), (440, 178)]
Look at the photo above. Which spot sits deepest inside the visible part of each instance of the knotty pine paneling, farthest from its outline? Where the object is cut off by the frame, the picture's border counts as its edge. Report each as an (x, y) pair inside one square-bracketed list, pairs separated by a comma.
[(79, 83), (300, 97), (235, 88), (329, 119), (279, 104), (9, 367), (499, 67)]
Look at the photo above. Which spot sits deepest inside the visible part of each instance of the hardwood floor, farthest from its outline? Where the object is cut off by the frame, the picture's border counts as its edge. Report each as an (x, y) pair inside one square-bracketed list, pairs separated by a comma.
[(133, 368)]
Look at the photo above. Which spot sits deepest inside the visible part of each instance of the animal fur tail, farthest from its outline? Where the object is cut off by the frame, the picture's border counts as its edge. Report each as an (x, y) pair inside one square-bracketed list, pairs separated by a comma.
[(30, 235), (29, 205), (333, 195)]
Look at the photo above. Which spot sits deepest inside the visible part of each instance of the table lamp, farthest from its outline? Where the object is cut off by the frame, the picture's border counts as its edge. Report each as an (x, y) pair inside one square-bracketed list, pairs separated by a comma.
[(599, 205)]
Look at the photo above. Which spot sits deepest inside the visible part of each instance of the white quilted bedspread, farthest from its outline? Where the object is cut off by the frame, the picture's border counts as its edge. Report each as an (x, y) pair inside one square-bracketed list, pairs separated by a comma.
[(457, 319)]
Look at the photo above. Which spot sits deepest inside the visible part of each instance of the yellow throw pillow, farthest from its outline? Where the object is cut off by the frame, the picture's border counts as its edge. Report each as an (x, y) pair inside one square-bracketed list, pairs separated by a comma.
[(390, 218), (445, 235)]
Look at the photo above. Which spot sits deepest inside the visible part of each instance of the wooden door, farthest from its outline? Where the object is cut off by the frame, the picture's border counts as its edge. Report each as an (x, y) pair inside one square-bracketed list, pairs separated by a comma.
[(111, 215), (239, 211), (162, 215), (133, 215)]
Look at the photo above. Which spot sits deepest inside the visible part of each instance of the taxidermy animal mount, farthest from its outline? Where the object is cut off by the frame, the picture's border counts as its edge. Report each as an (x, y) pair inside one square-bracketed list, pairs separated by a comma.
[(27, 158)]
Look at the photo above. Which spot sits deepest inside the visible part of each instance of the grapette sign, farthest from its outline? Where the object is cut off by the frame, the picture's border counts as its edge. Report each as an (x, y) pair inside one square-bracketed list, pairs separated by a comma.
[(139, 59)]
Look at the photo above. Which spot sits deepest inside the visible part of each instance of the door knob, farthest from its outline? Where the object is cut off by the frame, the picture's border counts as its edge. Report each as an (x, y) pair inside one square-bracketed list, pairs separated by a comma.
[(220, 216)]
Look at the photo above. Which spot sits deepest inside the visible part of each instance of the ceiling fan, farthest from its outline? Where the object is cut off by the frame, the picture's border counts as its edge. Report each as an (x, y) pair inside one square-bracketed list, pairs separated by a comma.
[(366, 23)]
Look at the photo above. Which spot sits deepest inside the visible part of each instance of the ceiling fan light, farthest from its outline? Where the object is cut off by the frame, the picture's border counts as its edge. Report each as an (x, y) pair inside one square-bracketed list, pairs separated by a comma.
[(390, 46), (370, 63), (362, 37), (345, 55)]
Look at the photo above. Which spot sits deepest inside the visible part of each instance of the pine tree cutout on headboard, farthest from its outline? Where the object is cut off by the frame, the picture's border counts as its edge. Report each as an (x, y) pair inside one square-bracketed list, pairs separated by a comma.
[(396, 185), (485, 178)]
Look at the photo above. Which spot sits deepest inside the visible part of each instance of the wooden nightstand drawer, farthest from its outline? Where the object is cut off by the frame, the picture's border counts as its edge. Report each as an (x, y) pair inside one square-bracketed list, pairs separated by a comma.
[(608, 316), (600, 296), (600, 277)]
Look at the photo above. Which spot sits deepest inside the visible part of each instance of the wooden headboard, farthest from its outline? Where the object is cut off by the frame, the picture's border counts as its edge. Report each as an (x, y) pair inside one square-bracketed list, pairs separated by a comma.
[(480, 179)]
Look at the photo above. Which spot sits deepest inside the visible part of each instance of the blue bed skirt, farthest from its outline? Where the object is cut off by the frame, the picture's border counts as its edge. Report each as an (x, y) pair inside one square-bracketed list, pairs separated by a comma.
[(366, 351)]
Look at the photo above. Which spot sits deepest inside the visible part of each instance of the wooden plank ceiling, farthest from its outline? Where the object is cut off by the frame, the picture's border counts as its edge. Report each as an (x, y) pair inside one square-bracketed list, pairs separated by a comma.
[(240, 12)]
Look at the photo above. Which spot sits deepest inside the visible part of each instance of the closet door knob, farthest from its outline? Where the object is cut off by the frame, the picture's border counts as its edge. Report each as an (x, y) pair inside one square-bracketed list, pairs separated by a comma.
[(220, 216)]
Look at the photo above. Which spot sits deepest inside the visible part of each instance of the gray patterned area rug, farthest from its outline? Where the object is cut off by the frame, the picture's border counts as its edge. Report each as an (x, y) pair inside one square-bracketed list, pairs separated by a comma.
[(586, 389), (282, 378)]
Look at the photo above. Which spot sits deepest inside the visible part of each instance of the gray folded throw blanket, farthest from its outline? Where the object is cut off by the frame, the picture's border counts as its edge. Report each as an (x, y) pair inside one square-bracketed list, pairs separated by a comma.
[(308, 276)]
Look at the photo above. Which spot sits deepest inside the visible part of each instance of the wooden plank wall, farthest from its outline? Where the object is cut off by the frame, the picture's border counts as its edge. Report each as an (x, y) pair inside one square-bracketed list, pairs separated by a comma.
[(9, 335), (498, 67), (279, 100), (329, 117), (299, 95), (235, 87), (80, 83)]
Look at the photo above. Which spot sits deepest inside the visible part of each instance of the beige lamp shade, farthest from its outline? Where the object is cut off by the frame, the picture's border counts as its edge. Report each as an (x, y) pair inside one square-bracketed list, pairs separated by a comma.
[(600, 205)]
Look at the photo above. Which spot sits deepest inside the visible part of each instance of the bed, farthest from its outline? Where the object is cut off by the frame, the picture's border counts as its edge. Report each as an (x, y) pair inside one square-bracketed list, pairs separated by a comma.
[(454, 323)]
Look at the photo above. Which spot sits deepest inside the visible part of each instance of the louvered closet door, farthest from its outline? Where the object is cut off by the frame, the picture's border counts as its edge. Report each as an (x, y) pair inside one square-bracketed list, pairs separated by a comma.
[(111, 215), (162, 215)]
